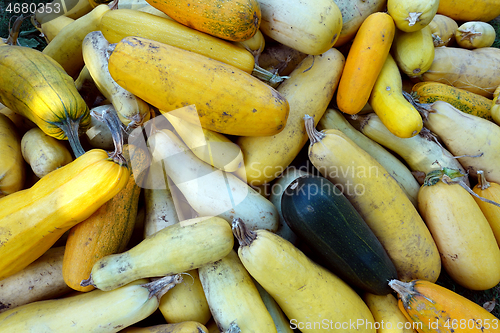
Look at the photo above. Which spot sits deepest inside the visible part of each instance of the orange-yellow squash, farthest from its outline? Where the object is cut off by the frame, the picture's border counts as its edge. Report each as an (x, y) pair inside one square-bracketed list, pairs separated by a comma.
[(221, 97)]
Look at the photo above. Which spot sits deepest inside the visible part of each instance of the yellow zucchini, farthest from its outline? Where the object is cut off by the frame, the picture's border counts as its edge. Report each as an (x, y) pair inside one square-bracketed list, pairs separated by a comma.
[(465, 101), (184, 327), (475, 34), (495, 106), (95, 311), (353, 15), (311, 27), (387, 314), (223, 98), (40, 280), (280, 320), (209, 146), (66, 47), (388, 102), (131, 110), (443, 30), (55, 8), (53, 205), (309, 88), (422, 152), (43, 153), (490, 191), (175, 249), (476, 141), (233, 296), (12, 167), (106, 231), (466, 243), (118, 24), (37, 87), (419, 59), (412, 15), (380, 201), (208, 190), (333, 119), (233, 20), (313, 298), (254, 45), (477, 70), (464, 10), (51, 28), (186, 302)]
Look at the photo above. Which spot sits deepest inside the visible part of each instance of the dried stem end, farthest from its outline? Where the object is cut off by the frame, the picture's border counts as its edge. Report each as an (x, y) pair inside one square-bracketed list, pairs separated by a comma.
[(244, 235), (159, 287), (313, 134)]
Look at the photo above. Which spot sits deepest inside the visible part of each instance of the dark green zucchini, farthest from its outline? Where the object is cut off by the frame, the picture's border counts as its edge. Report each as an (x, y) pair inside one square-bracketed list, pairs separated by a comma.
[(326, 221)]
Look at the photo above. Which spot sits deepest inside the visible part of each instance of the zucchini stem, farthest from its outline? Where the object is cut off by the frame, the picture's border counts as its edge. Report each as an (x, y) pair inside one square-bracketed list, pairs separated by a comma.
[(314, 135), (110, 118), (482, 183), (70, 128), (272, 78), (159, 287), (244, 235)]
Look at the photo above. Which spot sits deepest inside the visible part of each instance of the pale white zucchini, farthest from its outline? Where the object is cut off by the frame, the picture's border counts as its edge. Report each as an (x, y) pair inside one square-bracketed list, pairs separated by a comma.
[(95, 311), (98, 134), (333, 119), (308, 26), (131, 110), (40, 280), (211, 147), (233, 297), (175, 249), (422, 152), (208, 190)]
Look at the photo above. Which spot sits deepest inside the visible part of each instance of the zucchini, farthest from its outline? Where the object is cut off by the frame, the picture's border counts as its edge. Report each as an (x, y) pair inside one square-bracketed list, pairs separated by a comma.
[(315, 209)]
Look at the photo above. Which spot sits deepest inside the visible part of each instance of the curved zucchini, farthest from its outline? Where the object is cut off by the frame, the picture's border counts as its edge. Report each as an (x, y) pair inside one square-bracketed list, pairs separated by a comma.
[(326, 221), (37, 87), (12, 166)]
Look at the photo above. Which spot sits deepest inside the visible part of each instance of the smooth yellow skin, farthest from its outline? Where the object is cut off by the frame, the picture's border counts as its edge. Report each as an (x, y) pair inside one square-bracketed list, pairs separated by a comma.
[(306, 292), (118, 24), (223, 98), (419, 59), (412, 15), (308, 90), (418, 152), (311, 27), (40, 280), (184, 327), (443, 30), (66, 47), (209, 146), (255, 45), (382, 204), (95, 311), (175, 249), (468, 248), (464, 10), (12, 167), (495, 106), (388, 102), (465, 134), (491, 212), (186, 302), (232, 296), (43, 153), (32, 220), (132, 111), (475, 34), (333, 119), (385, 310)]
